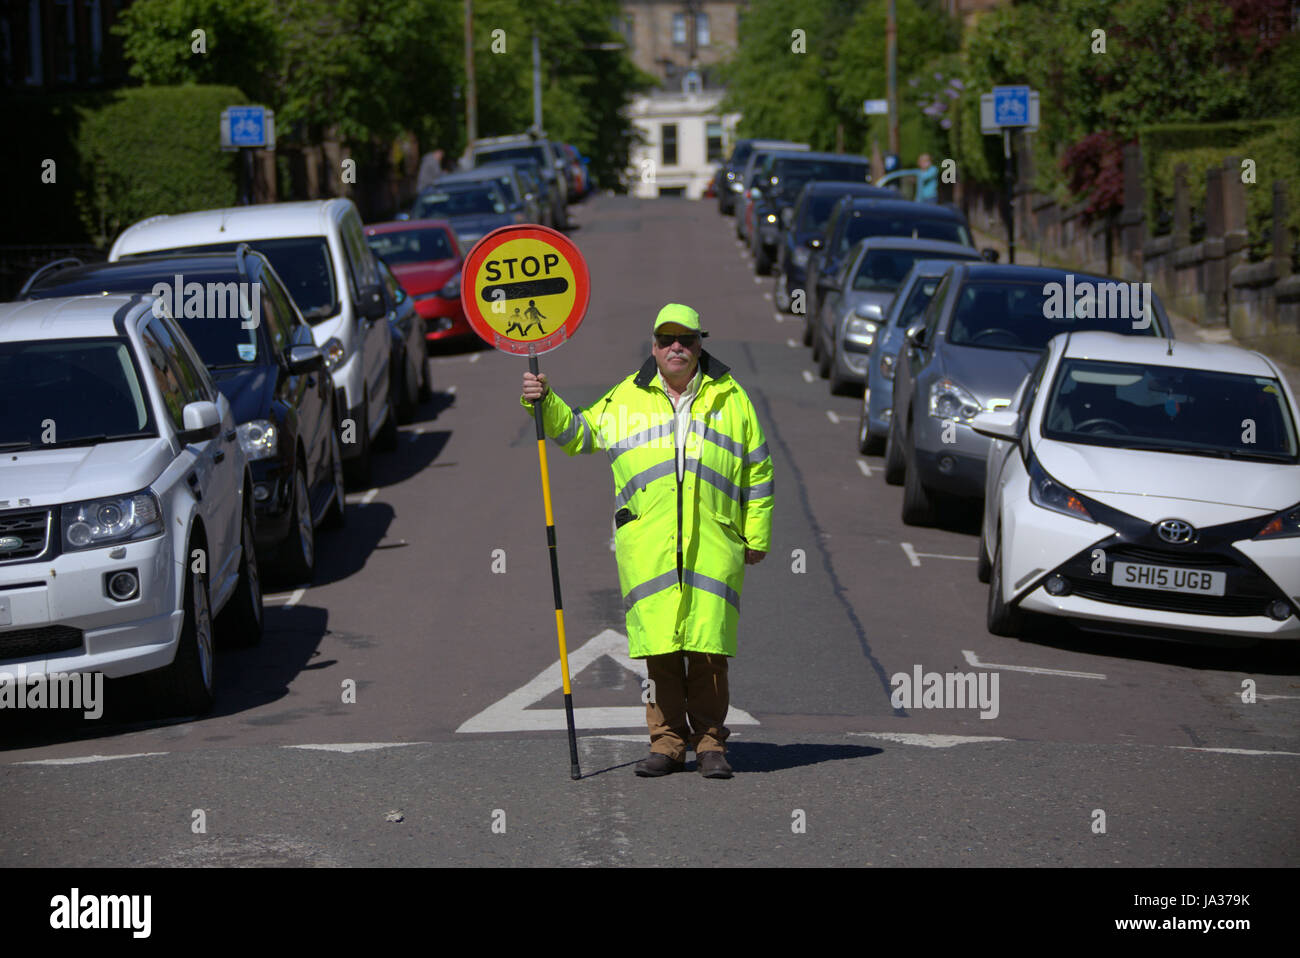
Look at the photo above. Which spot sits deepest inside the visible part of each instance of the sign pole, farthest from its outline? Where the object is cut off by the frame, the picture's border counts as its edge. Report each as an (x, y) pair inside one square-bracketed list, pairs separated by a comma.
[(1008, 185), (574, 772)]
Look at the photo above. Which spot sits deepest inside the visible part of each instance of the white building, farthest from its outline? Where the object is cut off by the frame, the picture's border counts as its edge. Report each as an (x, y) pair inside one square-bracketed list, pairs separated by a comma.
[(684, 137)]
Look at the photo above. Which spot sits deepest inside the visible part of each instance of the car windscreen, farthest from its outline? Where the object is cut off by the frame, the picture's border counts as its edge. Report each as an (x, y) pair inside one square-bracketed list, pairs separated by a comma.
[(1170, 409), (412, 246), (918, 298), (788, 174), (1002, 314), (740, 155), (883, 270), (535, 153), (69, 392), (303, 264), (481, 200), (900, 224)]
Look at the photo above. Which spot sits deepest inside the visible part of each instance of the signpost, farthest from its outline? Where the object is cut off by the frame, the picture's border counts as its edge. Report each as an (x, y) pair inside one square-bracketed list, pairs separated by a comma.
[(525, 291), (247, 128), (875, 107), (1009, 108)]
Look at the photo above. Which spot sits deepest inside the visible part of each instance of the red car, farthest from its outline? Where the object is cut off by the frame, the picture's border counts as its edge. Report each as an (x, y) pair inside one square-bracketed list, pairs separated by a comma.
[(426, 259)]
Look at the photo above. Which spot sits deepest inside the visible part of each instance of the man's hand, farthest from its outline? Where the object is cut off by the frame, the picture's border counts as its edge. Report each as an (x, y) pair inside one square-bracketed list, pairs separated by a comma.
[(754, 557), (535, 387)]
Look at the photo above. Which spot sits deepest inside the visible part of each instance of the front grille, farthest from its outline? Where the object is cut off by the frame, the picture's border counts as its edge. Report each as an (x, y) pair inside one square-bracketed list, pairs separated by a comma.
[(1188, 558), (21, 643), (30, 525)]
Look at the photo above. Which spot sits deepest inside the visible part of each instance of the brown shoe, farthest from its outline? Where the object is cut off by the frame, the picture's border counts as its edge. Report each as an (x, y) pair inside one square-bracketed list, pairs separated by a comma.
[(658, 764), (713, 765)]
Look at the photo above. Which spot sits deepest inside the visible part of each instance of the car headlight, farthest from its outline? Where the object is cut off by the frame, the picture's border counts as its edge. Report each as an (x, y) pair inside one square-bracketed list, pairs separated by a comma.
[(334, 352), (863, 330), (771, 217), (950, 401), (801, 255), (1285, 523), (869, 310), (1046, 492), (887, 363), (259, 439), (100, 522), (452, 289), (736, 186)]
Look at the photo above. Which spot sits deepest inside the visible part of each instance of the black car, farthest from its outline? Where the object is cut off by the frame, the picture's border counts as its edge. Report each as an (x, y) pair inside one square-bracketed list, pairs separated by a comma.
[(856, 218), (259, 350), (780, 180), (802, 230), (726, 181)]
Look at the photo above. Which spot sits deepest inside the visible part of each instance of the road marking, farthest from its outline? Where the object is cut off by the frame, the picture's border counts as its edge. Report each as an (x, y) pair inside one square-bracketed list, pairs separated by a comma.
[(1238, 695), (931, 740), (475, 358), (792, 344), (757, 280), (807, 376), (369, 497), (645, 738), (768, 297), (972, 659), (1231, 751), (915, 557), (514, 713), (778, 317), (87, 759), (452, 389), (355, 746), (832, 417), (866, 470), (290, 598)]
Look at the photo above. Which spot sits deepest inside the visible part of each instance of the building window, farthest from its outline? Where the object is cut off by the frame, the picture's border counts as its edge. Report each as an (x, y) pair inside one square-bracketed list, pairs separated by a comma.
[(65, 41), (95, 17), (35, 60), (701, 29), (679, 29), (713, 143), (668, 143)]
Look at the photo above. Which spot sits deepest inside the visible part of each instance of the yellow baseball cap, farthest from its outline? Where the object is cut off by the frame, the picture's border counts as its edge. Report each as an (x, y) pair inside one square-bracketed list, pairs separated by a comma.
[(682, 315)]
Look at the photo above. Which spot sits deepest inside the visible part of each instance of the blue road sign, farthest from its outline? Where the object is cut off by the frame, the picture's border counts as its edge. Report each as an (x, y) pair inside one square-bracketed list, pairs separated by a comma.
[(247, 126), (1011, 105)]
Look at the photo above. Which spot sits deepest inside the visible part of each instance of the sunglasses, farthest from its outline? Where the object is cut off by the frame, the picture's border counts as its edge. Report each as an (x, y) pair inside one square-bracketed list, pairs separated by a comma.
[(689, 340)]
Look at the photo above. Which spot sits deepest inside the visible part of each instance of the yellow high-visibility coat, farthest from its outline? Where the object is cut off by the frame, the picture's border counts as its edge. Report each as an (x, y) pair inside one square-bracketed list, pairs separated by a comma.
[(680, 546)]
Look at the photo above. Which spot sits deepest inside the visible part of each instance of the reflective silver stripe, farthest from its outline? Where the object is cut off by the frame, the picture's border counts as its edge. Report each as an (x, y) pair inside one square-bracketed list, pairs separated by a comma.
[(705, 584), (718, 481), (588, 437), (642, 438), (643, 479), (649, 587), (760, 491), (575, 424), (757, 456), (723, 441)]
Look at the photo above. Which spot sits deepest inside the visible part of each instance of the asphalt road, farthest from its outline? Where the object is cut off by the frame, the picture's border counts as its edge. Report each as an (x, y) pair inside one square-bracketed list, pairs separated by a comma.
[(408, 609)]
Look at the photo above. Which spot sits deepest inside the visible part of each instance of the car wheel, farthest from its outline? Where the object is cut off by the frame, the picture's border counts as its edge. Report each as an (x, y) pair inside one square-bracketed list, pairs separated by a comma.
[(807, 325), (868, 444), (402, 391), (387, 438), (336, 516), (824, 360), (895, 464), (358, 469), (982, 565), (240, 622), (426, 381), (188, 685), (918, 505), (762, 261), (839, 386), (298, 553), (1002, 619)]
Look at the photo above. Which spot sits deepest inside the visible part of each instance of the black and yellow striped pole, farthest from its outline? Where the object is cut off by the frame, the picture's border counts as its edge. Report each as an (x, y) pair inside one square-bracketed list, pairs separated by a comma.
[(574, 771)]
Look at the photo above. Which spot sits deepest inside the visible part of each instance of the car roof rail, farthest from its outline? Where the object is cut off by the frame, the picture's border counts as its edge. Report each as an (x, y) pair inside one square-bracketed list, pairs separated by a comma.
[(241, 258), (66, 262)]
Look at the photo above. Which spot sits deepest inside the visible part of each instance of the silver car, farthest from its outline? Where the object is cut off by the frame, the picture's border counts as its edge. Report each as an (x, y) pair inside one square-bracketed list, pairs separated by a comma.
[(852, 306)]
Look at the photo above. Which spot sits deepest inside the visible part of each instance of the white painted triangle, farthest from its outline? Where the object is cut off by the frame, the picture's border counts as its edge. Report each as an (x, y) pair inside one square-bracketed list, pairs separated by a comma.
[(512, 713)]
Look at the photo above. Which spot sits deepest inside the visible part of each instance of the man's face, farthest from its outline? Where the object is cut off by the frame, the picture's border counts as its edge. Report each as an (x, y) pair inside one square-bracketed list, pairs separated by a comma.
[(680, 356)]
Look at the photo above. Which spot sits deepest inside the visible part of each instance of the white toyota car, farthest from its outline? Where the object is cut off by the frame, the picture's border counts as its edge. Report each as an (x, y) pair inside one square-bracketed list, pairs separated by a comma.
[(1145, 487), (125, 501)]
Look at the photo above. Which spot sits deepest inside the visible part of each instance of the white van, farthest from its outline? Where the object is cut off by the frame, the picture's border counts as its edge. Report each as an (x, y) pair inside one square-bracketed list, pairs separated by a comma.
[(321, 254)]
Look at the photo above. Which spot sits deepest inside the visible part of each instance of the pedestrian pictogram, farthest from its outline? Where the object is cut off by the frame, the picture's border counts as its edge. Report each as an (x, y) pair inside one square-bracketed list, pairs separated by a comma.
[(525, 289)]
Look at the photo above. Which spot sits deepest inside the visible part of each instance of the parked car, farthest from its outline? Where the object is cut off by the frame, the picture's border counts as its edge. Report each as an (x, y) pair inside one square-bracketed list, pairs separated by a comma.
[(983, 331), (523, 203), (854, 218), (581, 180), (750, 191), (426, 258), (499, 149), (272, 374), (802, 230), (854, 301), (1124, 493), (409, 362), (727, 179), (904, 309), (319, 252), (472, 209), (125, 501), (780, 180)]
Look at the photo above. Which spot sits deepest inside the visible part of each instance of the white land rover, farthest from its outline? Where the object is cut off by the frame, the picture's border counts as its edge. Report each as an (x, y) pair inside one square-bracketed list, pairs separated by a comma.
[(125, 503)]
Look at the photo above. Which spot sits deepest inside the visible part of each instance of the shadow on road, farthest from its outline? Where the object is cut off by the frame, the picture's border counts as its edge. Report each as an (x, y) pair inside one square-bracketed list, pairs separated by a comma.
[(748, 757)]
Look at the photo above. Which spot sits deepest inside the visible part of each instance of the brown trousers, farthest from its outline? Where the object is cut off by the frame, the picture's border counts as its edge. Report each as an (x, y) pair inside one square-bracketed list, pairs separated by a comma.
[(688, 687)]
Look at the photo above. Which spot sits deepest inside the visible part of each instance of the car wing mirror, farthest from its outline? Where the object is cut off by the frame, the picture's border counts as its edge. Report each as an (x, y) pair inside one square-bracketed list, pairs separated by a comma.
[(200, 421), (304, 359), (915, 336), (997, 424)]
